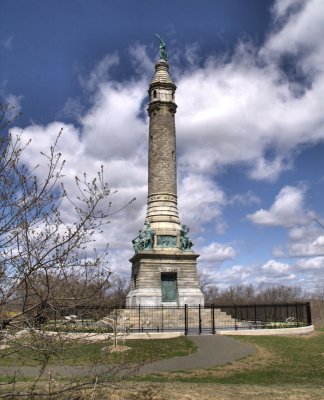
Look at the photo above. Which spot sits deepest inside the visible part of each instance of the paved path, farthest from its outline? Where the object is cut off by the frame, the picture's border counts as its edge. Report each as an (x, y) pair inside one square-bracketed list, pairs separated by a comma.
[(212, 350)]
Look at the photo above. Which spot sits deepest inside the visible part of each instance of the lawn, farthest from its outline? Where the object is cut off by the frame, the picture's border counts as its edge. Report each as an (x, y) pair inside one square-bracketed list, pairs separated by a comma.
[(283, 367), (76, 353), (279, 360)]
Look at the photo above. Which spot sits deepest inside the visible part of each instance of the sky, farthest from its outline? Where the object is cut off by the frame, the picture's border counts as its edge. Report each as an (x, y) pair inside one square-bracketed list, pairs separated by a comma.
[(250, 121)]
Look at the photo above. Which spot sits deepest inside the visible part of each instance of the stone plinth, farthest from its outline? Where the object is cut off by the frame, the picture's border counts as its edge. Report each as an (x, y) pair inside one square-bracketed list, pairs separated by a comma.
[(150, 267)]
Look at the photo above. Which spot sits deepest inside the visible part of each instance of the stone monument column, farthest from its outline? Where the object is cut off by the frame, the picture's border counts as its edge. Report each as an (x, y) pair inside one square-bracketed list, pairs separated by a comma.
[(164, 265), (162, 165)]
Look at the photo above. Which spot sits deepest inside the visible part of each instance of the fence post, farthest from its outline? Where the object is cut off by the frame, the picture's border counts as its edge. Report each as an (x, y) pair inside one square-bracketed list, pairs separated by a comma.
[(139, 318), (309, 313), (235, 316), (265, 314), (213, 317), (275, 319), (296, 308), (162, 316), (199, 310), (255, 316), (186, 319)]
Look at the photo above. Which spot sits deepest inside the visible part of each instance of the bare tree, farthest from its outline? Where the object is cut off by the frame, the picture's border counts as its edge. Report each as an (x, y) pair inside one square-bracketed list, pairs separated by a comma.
[(46, 262), (250, 294), (115, 295)]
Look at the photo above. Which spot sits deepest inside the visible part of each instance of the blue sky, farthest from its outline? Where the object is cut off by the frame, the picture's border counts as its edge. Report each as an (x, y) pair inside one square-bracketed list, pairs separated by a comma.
[(250, 125)]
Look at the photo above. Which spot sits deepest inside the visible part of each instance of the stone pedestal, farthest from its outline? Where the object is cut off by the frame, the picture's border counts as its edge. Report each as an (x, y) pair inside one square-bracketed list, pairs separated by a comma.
[(165, 277)]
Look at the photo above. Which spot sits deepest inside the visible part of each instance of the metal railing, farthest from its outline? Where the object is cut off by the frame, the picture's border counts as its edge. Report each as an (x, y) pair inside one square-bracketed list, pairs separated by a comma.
[(188, 319)]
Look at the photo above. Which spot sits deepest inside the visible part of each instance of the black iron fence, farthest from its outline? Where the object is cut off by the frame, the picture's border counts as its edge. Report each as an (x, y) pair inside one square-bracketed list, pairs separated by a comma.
[(188, 319)]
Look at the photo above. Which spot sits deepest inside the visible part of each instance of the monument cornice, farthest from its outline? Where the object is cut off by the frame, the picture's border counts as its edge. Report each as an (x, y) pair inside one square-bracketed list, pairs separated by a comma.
[(167, 85), (157, 104), (159, 255)]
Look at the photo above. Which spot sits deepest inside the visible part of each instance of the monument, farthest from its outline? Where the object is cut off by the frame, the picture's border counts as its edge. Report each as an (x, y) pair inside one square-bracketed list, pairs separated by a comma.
[(164, 270)]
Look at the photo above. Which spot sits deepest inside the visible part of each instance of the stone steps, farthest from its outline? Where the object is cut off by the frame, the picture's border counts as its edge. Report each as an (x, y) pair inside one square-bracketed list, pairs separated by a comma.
[(170, 319)]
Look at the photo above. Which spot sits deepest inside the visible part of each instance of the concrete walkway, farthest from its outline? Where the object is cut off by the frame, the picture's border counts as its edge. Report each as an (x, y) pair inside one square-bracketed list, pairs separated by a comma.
[(212, 350)]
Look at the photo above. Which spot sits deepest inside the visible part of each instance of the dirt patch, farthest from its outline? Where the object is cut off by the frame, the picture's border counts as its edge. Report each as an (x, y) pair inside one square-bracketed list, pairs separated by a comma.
[(115, 349)]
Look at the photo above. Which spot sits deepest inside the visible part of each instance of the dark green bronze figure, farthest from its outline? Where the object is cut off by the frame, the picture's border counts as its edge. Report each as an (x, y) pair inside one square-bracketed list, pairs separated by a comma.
[(185, 241), (162, 49), (144, 241)]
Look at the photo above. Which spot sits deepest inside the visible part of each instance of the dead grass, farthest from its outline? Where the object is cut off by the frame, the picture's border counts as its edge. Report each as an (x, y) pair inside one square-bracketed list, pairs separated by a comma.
[(191, 391), (188, 391)]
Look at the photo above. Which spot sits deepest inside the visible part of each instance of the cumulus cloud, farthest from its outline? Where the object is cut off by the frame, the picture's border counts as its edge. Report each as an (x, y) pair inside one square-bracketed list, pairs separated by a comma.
[(301, 26), (200, 200), (243, 110), (275, 269), (111, 128), (313, 263), (244, 199), (100, 72), (236, 274), (109, 134), (247, 109), (307, 248), (287, 209), (282, 7), (305, 241), (141, 61), (215, 253)]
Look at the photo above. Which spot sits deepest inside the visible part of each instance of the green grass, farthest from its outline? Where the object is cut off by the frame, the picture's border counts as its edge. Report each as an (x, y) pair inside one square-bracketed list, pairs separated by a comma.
[(279, 361), (90, 353)]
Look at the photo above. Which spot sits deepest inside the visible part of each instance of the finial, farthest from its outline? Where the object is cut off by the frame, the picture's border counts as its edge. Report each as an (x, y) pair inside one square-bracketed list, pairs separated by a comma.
[(162, 49)]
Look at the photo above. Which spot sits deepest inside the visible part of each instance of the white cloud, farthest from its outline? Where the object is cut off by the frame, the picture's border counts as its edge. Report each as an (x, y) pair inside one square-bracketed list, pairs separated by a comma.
[(299, 233), (242, 110), (287, 209), (313, 263), (235, 110), (300, 33), (141, 61), (244, 199), (282, 7), (215, 253), (278, 252), (307, 248), (200, 201), (100, 73), (113, 135), (111, 128), (237, 274), (269, 169), (275, 269), (303, 241)]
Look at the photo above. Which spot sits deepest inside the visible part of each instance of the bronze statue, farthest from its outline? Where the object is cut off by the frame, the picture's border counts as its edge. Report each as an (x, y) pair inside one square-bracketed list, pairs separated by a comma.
[(145, 239), (162, 49)]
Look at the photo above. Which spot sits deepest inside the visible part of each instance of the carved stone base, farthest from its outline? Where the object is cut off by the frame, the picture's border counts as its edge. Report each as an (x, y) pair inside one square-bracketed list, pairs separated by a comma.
[(150, 270)]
